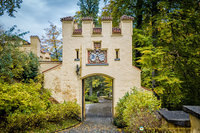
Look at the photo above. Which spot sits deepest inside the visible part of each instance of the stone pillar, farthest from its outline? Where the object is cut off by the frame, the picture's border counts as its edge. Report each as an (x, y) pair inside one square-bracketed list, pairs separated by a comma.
[(35, 45), (127, 25), (106, 26), (87, 26), (67, 31), (67, 26)]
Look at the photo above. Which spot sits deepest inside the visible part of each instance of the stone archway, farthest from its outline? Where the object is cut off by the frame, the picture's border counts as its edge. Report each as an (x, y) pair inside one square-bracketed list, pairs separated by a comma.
[(83, 92), (89, 51)]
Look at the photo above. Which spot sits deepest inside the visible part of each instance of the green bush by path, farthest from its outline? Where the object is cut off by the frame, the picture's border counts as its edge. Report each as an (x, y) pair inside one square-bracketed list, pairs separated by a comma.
[(26, 106), (136, 109), (121, 106), (92, 98)]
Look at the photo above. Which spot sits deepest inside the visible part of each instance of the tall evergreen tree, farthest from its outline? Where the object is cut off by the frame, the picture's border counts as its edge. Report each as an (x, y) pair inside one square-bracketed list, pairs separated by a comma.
[(89, 8)]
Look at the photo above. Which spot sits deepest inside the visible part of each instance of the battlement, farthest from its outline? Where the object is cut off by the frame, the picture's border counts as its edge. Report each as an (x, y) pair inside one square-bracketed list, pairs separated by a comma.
[(88, 28)]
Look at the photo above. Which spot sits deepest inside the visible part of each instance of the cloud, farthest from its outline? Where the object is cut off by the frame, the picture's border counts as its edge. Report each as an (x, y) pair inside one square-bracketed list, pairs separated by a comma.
[(34, 15)]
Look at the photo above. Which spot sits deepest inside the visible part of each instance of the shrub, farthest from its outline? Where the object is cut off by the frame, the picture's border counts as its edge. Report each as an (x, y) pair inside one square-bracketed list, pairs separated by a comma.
[(137, 109), (25, 106), (87, 97), (20, 97), (16, 65), (92, 98), (22, 122), (67, 110), (121, 105)]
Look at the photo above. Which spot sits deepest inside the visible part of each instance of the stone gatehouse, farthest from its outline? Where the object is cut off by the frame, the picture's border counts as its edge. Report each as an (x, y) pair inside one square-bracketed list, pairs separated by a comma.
[(92, 51)]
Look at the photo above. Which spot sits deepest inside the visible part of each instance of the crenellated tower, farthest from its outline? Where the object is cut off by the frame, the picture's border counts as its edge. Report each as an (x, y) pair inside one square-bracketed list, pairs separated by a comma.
[(94, 51)]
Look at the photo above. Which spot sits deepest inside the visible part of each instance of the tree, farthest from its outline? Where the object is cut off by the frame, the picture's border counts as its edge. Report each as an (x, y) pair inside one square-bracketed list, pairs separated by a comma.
[(166, 33), (93, 84), (9, 6), (77, 18), (175, 57), (11, 67), (51, 38), (89, 8), (102, 84)]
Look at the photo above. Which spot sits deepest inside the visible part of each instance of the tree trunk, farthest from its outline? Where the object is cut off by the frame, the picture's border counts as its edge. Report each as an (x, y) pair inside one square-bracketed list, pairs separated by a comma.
[(91, 89)]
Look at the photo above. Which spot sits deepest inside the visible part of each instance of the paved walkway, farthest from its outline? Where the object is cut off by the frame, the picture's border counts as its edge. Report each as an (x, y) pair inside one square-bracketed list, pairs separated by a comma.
[(98, 119)]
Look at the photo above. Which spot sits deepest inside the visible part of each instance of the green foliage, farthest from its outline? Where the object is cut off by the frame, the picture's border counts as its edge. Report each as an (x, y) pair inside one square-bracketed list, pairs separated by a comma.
[(11, 67), (88, 8), (31, 69), (175, 57), (135, 8), (24, 103), (51, 39), (92, 98), (67, 110), (26, 106), (20, 97), (166, 46), (167, 82), (9, 6), (137, 109), (100, 84), (121, 106), (108, 86)]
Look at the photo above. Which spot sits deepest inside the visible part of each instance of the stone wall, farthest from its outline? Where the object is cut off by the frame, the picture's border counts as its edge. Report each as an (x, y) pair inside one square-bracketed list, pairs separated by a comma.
[(46, 65), (124, 75)]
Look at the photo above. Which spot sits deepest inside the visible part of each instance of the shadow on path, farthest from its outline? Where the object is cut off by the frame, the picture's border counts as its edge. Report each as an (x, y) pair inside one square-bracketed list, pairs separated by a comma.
[(98, 119)]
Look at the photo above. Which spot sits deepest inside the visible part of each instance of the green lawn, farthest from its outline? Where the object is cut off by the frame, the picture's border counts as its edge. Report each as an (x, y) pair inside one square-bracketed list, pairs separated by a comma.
[(52, 127), (88, 102)]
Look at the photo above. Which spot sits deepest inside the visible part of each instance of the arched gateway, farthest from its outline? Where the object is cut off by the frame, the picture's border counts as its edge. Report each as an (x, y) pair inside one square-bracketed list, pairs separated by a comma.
[(90, 51)]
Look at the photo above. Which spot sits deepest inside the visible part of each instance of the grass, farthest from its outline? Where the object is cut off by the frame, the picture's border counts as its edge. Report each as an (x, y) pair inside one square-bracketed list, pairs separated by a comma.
[(108, 98), (52, 127), (88, 102)]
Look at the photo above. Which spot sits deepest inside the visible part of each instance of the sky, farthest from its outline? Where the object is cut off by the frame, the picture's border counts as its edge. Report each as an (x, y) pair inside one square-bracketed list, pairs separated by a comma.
[(34, 15)]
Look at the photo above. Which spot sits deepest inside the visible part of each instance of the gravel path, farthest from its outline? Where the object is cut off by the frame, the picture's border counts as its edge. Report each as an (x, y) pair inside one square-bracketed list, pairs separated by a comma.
[(98, 119)]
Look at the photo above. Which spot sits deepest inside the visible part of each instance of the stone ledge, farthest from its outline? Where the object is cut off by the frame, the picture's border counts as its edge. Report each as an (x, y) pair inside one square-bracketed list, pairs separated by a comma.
[(193, 110), (106, 64), (77, 35), (178, 118), (116, 35)]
